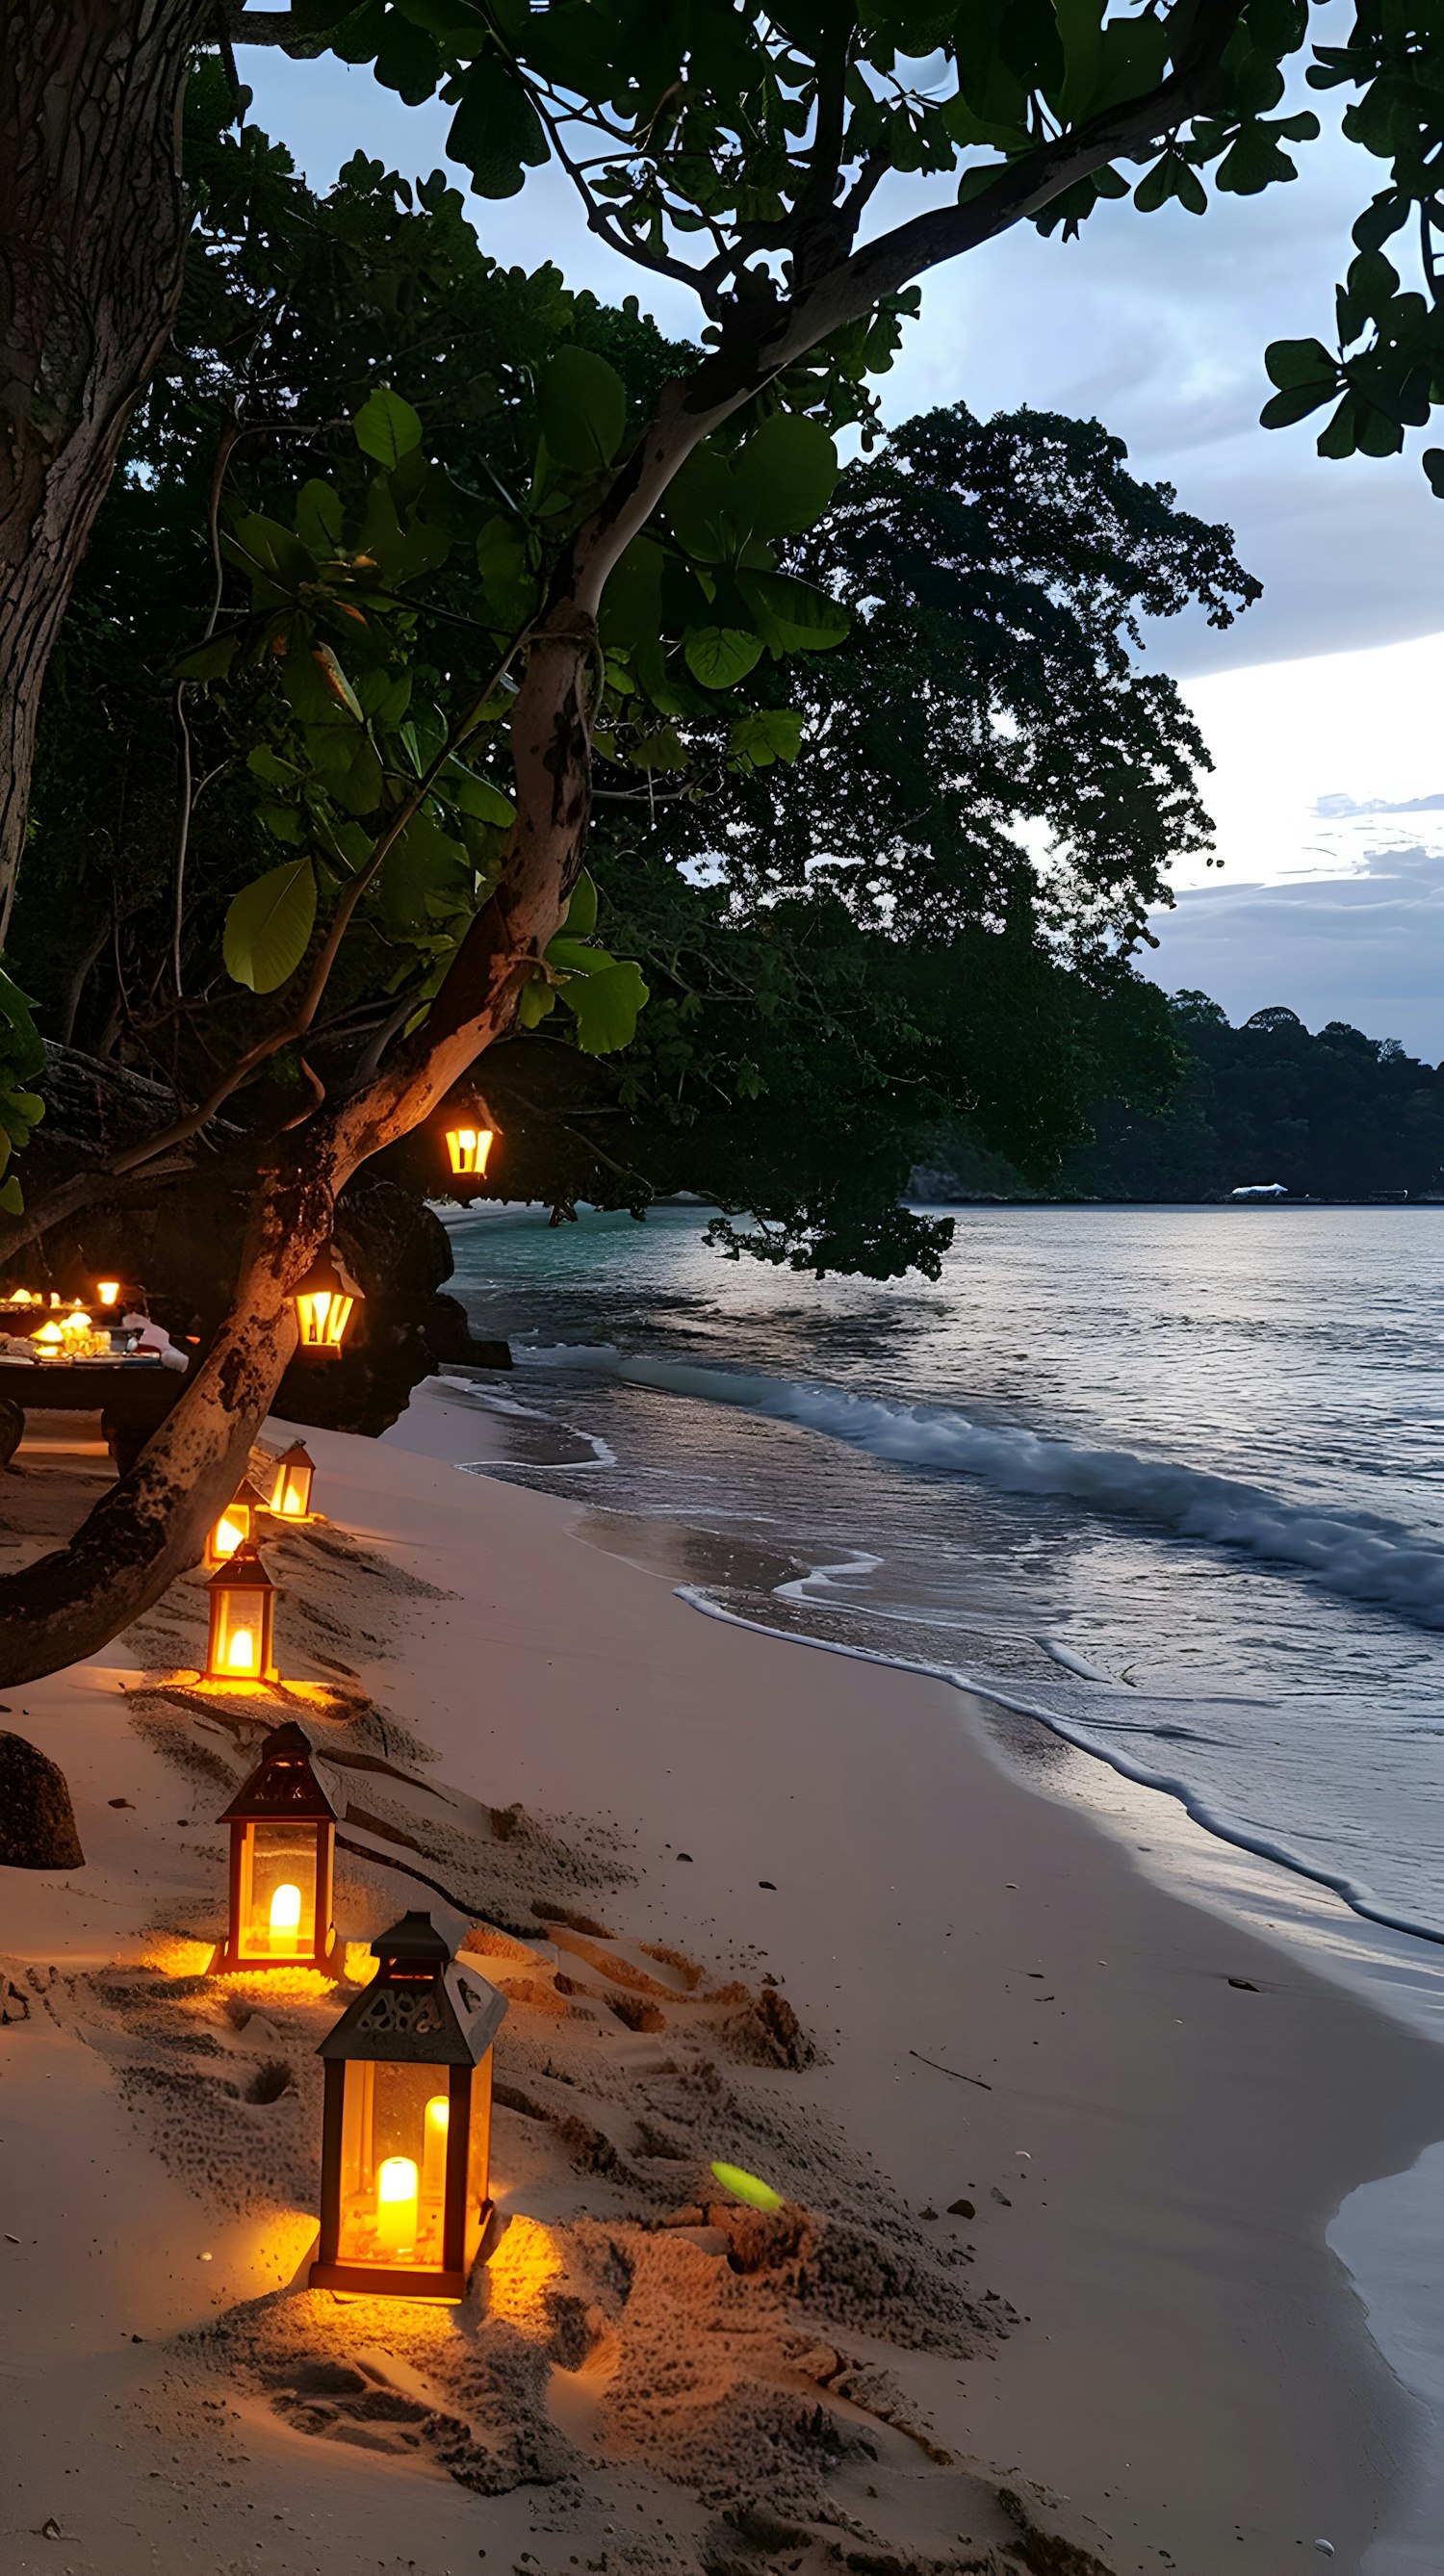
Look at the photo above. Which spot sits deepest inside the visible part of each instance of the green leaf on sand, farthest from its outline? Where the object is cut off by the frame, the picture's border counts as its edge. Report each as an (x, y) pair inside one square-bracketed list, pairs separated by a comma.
[(745, 2186)]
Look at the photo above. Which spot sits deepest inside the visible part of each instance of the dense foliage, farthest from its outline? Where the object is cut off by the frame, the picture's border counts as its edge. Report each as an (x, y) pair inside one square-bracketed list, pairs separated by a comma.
[(899, 885), (1330, 1114)]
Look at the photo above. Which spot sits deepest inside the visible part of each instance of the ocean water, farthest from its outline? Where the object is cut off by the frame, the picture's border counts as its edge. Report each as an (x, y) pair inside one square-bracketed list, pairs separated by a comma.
[(1165, 1485), (1169, 1480)]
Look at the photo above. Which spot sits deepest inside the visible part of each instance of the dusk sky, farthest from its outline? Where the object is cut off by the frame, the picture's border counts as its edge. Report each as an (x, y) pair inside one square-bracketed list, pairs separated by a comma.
[(1325, 697)]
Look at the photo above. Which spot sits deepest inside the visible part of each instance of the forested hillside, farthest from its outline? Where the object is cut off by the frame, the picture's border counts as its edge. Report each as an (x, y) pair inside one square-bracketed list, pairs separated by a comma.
[(1331, 1114)]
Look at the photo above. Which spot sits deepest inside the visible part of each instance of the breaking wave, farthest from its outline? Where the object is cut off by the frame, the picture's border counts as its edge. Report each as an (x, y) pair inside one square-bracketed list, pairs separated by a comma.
[(1358, 1554)]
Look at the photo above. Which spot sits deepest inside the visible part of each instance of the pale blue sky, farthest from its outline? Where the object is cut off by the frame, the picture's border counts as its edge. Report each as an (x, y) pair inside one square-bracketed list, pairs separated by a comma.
[(1157, 327)]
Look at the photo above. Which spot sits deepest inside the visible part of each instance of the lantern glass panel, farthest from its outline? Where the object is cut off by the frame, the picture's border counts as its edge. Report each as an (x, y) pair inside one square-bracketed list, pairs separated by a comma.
[(240, 1643), (278, 1892), (324, 1314), (478, 2152), (395, 2125)]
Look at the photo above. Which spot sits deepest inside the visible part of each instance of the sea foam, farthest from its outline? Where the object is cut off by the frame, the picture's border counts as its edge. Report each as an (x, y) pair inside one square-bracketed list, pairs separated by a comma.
[(1358, 1554)]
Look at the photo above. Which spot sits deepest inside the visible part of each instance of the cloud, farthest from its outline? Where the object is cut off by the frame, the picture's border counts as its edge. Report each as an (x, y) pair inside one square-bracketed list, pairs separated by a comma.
[(1367, 948)]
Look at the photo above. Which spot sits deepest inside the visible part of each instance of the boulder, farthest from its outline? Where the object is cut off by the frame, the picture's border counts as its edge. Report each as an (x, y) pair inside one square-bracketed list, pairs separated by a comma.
[(37, 1821)]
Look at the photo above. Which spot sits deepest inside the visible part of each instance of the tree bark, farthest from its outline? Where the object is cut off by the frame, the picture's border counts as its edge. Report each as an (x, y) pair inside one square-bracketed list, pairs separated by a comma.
[(92, 239), (151, 1525)]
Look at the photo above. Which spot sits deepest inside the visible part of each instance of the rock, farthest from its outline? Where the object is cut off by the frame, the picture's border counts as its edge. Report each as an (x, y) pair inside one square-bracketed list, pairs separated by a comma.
[(452, 1341), (37, 1821), (961, 2209)]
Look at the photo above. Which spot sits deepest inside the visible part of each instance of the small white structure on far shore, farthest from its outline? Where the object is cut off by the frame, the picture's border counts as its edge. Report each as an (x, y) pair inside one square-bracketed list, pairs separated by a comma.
[(1261, 1190)]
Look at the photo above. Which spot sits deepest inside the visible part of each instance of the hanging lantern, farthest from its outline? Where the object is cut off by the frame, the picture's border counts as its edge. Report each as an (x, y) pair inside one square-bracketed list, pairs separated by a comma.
[(237, 1522), (406, 2141), (295, 1471), (323, 1302), (468, 1148), (283, 1844), (107, 1292), (243, 1611)]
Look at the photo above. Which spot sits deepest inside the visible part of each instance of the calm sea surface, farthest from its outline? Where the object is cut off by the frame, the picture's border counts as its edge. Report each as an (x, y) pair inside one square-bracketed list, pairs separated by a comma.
[(1169, 1478)]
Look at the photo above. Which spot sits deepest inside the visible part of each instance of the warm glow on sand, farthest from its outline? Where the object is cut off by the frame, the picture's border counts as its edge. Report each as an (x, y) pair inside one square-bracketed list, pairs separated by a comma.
[(520, 2272)]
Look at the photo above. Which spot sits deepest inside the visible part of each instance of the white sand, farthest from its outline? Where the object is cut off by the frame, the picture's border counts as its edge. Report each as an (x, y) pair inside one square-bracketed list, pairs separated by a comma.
[(1153, 2165)]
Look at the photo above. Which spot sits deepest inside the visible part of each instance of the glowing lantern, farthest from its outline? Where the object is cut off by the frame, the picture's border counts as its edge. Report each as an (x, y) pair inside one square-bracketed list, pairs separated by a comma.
[(108, 1291), (283, 1845), (406, 2142), (237, 1522), (243, 1611), (323, 1306), (468, 1148), (291, 1493), (49, 1342), (76, 1327)]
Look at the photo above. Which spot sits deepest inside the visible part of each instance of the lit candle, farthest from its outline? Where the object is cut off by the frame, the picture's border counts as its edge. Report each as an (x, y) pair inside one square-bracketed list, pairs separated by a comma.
[(433, 2146), (241, 1652), (285, 1919), (291, 1505), (396, 2205), (107, 1290)]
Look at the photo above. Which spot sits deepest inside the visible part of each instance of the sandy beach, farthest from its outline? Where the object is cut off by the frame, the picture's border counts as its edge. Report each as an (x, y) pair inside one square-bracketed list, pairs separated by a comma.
[(748, 1901)]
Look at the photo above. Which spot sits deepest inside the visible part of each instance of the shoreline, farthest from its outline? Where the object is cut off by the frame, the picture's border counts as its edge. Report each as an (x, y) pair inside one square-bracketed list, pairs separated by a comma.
[(1188, 2369), (467, 1436)]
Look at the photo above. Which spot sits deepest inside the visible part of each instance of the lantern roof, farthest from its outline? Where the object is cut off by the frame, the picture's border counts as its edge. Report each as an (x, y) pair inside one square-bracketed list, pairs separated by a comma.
[(298, 1455), (419, 2007), (283, 1784), (249, 1493), (243, 1571), (327, 1273)]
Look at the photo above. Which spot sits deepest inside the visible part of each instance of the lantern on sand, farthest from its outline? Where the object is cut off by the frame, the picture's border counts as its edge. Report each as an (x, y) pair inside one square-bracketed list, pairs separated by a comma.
[(406, 2142), (243, 1611), (283, 1844), (294, 1471), (467, 1149), (237, 1522), (323, 1304)]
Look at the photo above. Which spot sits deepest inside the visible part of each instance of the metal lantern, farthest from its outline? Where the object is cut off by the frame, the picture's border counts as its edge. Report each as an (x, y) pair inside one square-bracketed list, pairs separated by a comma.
[(236, 1523), (468, 1148), (406, 2141), (283, 1846), (243, 1612), (291, 1492), (323, 1304)]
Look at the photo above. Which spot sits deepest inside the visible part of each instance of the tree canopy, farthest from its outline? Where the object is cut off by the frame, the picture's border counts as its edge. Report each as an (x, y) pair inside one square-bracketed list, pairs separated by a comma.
[(902, 886)]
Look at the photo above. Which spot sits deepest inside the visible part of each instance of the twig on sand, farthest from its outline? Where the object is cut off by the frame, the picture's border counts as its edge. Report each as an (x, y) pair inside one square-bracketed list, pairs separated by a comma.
[(950, 2070)]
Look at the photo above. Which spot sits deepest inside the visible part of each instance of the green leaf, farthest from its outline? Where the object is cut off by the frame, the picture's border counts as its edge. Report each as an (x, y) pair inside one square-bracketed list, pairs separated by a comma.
[(12, 1197), (606, 1007), (209, 661), (1282, 410), (318, 517), (703, 507), (784, 475), (576, 956), (269, 925), (386, 427), (476, 796), (763, 735), (720, 656), (793, 617), (495, 129), (581, 912), (1299, 362), (746, 2186), (1433, 464), (582, 406), (535, 1002), (632, 601)]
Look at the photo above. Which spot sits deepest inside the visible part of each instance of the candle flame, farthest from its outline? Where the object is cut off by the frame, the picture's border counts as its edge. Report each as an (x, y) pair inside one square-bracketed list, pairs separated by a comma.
[(241, 1651), (286, 1911)]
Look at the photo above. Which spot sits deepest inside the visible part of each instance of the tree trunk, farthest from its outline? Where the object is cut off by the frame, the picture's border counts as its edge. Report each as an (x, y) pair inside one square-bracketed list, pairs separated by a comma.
[(92, 239), (151, 1525)]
